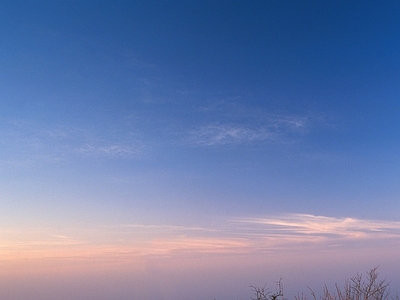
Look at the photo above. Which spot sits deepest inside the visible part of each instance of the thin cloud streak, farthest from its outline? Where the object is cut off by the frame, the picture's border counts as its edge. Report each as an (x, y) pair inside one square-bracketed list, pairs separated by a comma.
[(310, 225), (247, 236)]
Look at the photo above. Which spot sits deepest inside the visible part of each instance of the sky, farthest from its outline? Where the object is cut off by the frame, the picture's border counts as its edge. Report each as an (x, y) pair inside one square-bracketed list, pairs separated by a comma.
[(190, 149)]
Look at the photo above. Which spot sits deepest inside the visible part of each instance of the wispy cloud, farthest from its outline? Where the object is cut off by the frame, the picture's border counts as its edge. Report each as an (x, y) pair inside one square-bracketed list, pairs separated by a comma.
[(218, 134), (272, 128), (111, 149), (27, 142)]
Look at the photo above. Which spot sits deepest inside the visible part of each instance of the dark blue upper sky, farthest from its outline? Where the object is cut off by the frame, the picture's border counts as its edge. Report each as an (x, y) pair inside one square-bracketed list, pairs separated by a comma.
[(288, 105)]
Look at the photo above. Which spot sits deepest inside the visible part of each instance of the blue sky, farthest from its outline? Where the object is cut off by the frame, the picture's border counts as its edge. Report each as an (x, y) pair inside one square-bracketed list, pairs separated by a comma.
[(204, 127)]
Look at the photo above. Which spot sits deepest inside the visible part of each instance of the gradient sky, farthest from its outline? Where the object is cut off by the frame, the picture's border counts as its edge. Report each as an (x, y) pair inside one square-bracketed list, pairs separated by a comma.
[(188, 149)]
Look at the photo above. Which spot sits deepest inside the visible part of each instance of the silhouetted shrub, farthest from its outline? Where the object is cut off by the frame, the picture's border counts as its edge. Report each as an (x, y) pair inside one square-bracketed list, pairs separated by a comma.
[(357, 287)]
